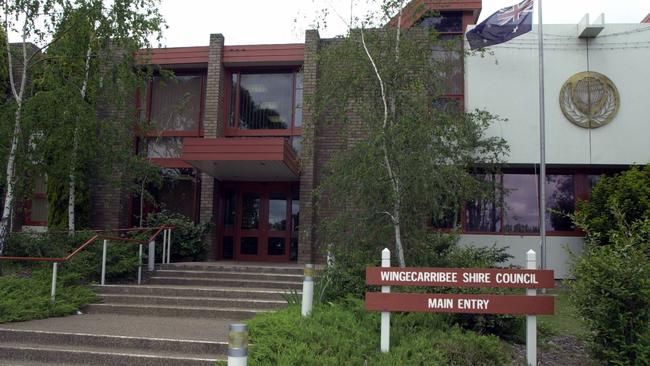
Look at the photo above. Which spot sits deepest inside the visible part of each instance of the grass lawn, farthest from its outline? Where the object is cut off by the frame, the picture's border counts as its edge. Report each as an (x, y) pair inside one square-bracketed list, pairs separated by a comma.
[(566, 320)]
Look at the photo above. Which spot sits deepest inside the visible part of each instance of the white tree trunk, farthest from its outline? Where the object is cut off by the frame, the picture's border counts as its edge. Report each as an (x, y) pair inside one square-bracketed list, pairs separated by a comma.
[(72, 182), (11, 160), (394, 180), (9, 194)]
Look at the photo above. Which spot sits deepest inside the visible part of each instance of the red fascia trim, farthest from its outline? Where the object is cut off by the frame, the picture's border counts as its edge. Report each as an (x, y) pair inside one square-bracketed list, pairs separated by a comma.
[(173, 55), (170, 163), (241, 149), (416, 8), (646, 19), (290, 53)]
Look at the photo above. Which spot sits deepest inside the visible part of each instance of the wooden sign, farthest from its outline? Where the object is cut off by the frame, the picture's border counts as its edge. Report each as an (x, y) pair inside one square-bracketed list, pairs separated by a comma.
[(461, 303), (460, 277)]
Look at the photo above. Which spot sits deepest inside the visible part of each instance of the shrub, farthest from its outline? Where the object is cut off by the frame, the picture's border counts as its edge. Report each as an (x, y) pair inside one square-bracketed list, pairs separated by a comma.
[(612, 294), (343, 333), (629, 191), (187, 236), (121, 263), (29, 298)]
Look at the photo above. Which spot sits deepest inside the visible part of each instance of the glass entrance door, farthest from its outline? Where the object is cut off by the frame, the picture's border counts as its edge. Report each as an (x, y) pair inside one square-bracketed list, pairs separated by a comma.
[(258, 221)]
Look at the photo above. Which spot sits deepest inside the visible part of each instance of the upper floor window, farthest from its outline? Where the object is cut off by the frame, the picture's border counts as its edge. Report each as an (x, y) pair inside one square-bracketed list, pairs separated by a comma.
[(444, 22), (174, 103), (265, 101)]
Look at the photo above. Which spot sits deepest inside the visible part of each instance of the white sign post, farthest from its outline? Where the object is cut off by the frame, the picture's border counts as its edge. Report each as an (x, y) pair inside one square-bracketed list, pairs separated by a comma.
[(385, 315), (531, 320)]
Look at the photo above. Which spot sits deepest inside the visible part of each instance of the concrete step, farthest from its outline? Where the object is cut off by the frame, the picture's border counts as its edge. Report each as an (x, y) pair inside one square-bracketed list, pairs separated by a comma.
[(193, 291), (233, 267), (262, 276), (173, 311), (193, 301), (224, 282), (16, 353), (191, 347)]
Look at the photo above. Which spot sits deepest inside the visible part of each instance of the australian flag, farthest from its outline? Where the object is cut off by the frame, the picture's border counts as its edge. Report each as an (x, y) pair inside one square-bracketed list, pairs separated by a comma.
[(502, 26)]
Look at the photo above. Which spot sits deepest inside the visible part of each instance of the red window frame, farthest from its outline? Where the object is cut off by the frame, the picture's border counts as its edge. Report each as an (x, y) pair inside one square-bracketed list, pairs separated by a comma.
[(170, 162), (236, 131)]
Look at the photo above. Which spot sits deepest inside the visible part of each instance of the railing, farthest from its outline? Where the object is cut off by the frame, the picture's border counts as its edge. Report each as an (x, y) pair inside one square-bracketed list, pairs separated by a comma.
[(166, 252)]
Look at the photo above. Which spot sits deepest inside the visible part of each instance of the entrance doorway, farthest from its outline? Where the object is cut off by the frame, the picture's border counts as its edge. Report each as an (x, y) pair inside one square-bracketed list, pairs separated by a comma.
[(258, 221)]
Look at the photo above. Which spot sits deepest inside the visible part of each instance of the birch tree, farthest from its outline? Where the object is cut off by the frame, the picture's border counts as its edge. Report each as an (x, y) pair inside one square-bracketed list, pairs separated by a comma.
[(406, 158), (31, 20), (81, 55), (96, 49)]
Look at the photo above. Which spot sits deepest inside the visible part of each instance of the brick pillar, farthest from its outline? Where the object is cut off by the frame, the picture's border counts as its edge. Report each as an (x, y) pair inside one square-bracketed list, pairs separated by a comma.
[(212, 128), (307, 251)]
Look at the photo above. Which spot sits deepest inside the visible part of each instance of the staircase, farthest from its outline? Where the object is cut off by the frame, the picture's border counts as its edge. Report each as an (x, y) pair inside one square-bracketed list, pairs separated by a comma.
[(179, 317)]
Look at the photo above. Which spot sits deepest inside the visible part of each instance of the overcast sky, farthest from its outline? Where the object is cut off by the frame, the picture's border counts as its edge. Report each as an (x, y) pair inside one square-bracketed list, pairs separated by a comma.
[(284, 21)]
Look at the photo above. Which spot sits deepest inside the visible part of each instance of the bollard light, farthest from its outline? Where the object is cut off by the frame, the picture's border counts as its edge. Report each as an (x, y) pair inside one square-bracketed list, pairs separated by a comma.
[(238, 345), (307, 290)]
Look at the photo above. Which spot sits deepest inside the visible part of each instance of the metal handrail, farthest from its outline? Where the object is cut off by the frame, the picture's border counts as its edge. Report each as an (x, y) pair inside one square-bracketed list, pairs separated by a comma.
[(165, 229)]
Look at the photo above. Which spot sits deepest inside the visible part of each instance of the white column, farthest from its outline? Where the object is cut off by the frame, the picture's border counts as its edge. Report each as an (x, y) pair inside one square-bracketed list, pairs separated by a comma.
[(164, 248), (307, 290), (169, 245), (55, 266), (139, 264), (385, 315), (152, 255), (531, 320), (104, 247)]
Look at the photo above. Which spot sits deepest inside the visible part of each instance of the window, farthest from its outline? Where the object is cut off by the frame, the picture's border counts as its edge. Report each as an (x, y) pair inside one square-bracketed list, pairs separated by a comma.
[(177, 193), (520, 203), (36, 208), (560, 202), (484, 214), (511, 204), (164, 147), (269, 101), (444, 22), (447, 57), (176, 103), (173, 106)]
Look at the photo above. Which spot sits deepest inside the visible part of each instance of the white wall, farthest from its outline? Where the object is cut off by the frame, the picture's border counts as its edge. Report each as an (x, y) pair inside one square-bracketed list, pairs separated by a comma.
[(557, 249), (504, 81)]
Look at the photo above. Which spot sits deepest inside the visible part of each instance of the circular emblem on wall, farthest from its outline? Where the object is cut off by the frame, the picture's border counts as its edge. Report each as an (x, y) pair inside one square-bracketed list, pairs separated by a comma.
[(589, 99)]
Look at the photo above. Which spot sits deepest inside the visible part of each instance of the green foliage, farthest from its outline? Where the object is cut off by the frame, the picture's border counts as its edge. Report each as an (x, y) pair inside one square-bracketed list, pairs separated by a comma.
[(25, 298), (612, 287), (343, 333), (121, 260), (612, 293), (187, 236), (401, 148), (629, 191)]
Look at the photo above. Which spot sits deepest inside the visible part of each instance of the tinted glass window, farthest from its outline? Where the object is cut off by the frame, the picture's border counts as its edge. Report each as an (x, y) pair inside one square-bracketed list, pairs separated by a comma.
[(520, 203), (484, 214), (250, 211), (276, 246), (451, 21), (560, 201), (176, 103), (265, 101), (277, 212)]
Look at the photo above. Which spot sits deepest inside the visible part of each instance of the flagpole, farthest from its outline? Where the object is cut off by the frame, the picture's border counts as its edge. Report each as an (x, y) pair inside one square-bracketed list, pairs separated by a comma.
[(542, 140)]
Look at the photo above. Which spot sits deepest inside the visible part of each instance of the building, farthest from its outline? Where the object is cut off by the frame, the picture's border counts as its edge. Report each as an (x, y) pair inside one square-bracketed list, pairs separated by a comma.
[(232, 152), (576, 153)]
